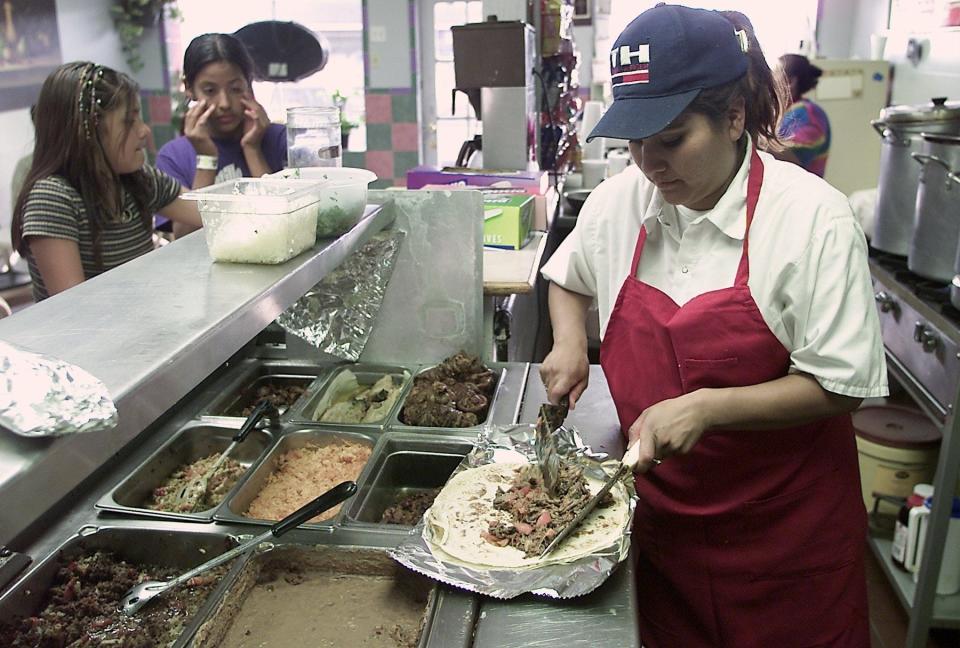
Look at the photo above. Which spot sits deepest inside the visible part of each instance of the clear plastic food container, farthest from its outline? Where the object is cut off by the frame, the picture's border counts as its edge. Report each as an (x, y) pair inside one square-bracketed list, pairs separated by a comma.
[(259, 220), (343, 199)]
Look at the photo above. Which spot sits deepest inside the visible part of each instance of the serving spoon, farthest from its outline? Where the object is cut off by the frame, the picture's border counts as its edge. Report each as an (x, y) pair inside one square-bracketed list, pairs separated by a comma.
[(142, 593)]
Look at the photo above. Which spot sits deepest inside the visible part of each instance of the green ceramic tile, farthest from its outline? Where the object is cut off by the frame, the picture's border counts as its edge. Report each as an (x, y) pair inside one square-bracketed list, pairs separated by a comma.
[(404, 107), (404, 161), (145, 109), (379, 137), (354, 159), (163, 133)]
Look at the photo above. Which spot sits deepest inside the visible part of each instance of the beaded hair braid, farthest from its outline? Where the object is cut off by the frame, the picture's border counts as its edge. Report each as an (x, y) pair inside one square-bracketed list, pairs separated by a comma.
[(89, 102)]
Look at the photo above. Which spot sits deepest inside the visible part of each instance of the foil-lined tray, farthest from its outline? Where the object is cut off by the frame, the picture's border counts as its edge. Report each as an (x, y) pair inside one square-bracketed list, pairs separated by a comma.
[(498, 444)]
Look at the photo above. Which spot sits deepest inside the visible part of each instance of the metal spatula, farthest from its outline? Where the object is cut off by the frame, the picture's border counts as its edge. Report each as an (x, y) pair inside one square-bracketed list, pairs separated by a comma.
[(144, 592), (192, 494), (551, 417), (629, 460)]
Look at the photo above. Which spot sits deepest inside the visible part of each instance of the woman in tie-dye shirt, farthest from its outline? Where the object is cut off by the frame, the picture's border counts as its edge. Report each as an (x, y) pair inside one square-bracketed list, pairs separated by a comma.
[(804, 129)]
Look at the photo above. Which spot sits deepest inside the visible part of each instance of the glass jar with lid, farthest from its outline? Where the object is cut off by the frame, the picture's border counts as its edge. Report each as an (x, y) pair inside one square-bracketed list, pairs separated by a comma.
[(313, 137)]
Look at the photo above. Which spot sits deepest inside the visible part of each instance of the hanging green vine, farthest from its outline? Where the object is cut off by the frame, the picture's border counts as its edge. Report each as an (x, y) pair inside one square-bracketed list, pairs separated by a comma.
[(132, 17)]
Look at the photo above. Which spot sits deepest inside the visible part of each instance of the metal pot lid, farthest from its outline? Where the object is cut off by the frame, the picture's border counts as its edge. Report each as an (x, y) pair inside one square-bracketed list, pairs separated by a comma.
[(938, 110)]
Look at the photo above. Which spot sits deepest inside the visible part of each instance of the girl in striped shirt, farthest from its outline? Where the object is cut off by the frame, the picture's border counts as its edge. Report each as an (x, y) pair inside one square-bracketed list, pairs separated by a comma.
[(88, 201)]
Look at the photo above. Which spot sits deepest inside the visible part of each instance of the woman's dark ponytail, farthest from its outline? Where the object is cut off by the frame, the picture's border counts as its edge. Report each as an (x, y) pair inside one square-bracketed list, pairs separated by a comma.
[(764, 92)]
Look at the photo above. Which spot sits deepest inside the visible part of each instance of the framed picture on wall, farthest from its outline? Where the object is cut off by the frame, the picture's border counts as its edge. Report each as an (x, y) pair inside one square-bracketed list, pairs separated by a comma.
[(29, 49)]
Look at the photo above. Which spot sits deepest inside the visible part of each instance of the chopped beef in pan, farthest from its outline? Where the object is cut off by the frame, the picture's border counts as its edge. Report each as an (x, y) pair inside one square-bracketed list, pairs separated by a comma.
[(82, 607), (280, 395), (408, 509), (455, 393), (536, 518)]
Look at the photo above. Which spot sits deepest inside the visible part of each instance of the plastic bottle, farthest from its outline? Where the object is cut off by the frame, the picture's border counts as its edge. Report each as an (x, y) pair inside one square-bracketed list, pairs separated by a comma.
[(901, 530)]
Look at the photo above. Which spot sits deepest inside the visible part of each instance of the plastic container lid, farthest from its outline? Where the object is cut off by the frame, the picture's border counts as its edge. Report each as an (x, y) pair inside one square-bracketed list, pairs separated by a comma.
[(923, 490), (257, 195), (896, 427)]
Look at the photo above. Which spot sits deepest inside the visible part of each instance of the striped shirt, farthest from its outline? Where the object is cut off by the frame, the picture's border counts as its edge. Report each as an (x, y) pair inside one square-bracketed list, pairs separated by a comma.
[(55, 209), (806, 131)]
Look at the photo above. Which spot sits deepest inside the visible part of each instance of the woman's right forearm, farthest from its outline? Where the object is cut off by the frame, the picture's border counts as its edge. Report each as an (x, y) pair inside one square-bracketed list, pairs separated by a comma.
[(568, 316)]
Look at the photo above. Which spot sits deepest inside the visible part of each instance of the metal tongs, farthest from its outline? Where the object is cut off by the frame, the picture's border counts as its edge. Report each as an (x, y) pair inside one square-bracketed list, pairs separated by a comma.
[(550, 420), (627, 465), (192, 494), (144, 592)]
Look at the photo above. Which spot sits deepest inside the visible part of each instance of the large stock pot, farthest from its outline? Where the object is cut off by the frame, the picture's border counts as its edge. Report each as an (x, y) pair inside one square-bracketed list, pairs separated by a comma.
[(936, 223), (901, 128)]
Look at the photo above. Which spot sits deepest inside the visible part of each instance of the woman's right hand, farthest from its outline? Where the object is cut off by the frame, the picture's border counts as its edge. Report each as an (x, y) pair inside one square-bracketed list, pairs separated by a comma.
[(196, 130), (565, 372)]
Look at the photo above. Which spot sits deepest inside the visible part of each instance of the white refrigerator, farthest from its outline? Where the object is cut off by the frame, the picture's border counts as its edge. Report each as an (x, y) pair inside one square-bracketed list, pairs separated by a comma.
[(852, 93)]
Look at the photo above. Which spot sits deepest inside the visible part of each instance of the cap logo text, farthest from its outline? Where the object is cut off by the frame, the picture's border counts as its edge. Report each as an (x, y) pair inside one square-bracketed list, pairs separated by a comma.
[(628, 66)]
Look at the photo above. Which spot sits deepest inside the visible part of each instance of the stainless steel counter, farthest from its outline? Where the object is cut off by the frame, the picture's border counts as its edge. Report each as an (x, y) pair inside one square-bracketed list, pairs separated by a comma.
[(151, 330)]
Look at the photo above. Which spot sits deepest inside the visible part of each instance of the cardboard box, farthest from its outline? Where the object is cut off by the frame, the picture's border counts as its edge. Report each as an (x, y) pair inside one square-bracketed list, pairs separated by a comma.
[(506, 220), (533, 182)]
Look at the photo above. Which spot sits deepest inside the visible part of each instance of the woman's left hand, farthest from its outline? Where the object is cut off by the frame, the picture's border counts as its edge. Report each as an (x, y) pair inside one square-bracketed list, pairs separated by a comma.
[(670, 427), (255, 122)]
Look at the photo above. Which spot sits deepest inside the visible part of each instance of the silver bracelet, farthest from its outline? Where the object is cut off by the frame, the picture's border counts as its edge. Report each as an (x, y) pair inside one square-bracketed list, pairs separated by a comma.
[(207, 162)]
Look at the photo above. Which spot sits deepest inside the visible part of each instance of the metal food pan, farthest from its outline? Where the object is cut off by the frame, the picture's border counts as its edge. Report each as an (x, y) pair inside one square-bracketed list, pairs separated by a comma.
[(499, 369), (164, 547), (241, 392), (195, 441), (366, 375), (294, 593), (404, 464), (238, 502)]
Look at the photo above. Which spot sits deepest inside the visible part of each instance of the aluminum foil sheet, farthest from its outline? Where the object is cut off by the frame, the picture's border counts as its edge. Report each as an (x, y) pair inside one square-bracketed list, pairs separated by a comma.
[(569, 580), (42, 396), (338, 314)]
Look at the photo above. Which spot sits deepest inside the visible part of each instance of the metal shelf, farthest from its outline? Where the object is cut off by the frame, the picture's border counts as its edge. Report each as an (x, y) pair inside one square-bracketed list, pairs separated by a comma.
[(151, 330), (946, 609), (925, 608)]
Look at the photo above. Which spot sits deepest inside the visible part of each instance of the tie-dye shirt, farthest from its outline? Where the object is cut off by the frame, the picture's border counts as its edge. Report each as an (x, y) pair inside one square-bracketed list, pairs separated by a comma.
[(805, 130)]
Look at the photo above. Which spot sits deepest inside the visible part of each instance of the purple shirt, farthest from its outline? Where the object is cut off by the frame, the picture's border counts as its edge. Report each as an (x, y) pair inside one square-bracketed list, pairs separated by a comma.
[(178, 159)]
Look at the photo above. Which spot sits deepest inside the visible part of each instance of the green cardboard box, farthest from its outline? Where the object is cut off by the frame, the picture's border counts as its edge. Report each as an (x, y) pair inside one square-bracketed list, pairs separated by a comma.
[(506, 220)]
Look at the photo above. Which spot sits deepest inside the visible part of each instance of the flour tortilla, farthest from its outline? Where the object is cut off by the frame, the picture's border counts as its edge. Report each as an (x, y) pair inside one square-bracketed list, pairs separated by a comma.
[(464, 509)]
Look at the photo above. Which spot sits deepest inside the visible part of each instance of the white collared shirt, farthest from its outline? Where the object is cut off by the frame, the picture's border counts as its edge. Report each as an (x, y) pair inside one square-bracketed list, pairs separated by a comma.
[(808, 264)]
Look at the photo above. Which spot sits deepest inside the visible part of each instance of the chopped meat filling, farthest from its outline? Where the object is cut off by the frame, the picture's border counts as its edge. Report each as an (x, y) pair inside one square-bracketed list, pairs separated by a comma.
[(456, 393), (536, 518), (280, 396), (408, 509)]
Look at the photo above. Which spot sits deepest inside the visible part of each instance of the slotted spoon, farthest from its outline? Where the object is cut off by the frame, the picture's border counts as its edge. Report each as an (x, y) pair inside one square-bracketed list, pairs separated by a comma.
[(144, 592)]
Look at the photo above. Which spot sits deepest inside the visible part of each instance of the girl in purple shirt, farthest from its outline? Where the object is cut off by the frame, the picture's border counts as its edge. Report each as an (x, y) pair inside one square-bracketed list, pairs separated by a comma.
[(226, 132)]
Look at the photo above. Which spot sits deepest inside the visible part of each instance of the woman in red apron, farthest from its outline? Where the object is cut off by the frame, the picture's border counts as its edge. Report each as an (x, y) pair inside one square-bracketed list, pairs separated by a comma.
[(751, 532)]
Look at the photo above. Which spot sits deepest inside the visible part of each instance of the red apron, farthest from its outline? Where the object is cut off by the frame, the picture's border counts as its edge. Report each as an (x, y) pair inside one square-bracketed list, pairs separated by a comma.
[(754, 538)]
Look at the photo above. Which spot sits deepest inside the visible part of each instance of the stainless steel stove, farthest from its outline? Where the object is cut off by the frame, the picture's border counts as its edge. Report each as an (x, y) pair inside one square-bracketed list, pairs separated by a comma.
[(921, 331)]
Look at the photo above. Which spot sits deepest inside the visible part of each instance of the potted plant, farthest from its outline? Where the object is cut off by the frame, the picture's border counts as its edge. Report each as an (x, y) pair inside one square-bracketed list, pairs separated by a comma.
[(132, 17), (346, 125)]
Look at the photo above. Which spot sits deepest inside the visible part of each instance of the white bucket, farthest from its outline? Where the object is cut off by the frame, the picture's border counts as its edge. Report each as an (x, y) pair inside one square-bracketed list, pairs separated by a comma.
[(897, 448)]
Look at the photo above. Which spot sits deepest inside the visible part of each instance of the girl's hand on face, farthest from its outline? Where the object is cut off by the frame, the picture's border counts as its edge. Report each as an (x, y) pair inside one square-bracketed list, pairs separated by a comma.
[(670, 427), (565, 372), (196, 129), (255, 122)]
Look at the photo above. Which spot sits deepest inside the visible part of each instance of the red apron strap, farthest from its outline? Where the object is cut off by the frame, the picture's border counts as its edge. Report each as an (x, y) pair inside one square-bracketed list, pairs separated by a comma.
[(754, 180), (641, 239)]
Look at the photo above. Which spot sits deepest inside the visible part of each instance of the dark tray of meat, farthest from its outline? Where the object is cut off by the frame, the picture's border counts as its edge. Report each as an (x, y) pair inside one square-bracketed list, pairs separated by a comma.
[(457, 393), (151, 490), (73, 597), (283, 385), (406, 473)]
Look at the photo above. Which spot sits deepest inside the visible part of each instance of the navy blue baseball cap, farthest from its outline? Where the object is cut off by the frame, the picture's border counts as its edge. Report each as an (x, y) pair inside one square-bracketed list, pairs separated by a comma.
[(661, 62)]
